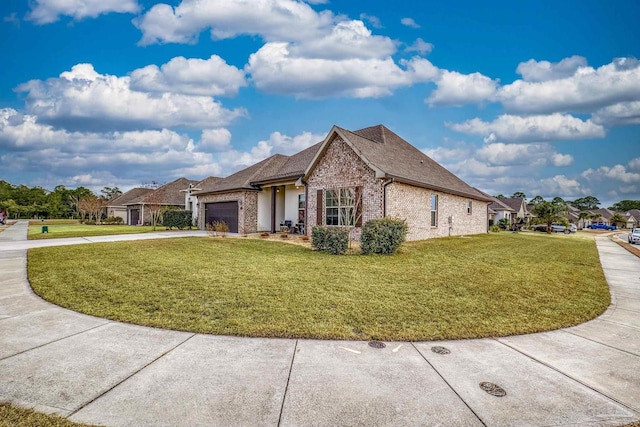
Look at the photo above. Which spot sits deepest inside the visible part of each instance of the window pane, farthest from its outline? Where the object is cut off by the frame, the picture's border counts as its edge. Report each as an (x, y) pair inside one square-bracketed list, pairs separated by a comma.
[(301, 200), (347, 197), (331, 198), (434, 217), (347, 216), (434, 202), (332, 216)]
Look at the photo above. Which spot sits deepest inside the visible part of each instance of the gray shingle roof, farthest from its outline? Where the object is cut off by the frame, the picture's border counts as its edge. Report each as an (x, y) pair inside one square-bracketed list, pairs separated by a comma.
[(514, 203), (242, 179), (400, 160), (129, 196), (169, 194)]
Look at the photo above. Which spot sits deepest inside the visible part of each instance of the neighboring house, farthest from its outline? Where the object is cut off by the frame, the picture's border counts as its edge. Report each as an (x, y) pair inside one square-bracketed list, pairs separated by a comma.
[(169, 195), (117, 207), (191, 198), (520, 214), (604, 216), (498, 210), (633, 218), (346, 180)]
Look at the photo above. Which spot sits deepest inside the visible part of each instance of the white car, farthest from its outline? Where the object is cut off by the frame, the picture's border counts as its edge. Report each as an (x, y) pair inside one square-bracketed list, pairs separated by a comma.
[(634, 235)]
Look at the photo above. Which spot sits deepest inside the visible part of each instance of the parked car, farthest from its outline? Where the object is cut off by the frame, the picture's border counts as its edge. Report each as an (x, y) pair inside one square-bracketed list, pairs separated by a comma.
[(634, 236), (556, 228), (602, 227)]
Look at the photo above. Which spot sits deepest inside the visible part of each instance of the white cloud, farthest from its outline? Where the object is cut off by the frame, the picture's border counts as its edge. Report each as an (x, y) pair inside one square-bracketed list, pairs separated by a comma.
[(560, 160), (275, 70), (48, 11), (273, 20), (585, 91), (539, 71), (206, 77), (374, 21), (285, 144), (215, 139), (347, 40), (455, 89), (420, 46), (559, 185), (615, 173), (509, 128), (623, 113), (634, 164), (409, 22), (84, 99)]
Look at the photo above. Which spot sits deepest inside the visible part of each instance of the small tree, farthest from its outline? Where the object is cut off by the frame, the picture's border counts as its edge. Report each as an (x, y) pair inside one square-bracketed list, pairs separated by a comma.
[(549, 212), (154, 206), (618, 220), (583, 217), (351, 217)]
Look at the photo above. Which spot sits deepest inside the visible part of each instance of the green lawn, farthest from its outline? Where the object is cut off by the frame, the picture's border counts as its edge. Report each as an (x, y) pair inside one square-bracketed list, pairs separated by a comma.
[(14, 416), (57, 230), (486, 285)]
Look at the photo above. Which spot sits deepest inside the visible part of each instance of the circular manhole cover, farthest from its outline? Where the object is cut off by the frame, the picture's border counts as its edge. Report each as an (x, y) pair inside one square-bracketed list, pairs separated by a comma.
[(440, 350), (377, 344), (493, 389)]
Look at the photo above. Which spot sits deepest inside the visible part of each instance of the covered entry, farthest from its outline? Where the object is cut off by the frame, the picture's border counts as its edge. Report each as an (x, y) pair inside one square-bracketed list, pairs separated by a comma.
[(222, 211), (135, 216)]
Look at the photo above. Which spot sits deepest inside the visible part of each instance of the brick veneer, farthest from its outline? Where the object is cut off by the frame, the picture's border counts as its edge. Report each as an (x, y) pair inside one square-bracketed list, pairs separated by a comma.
[(340, 167), (247, 214), (413, 204)]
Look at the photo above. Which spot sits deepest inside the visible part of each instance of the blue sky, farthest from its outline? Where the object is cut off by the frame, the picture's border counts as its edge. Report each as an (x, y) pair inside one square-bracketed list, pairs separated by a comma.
[(541, 97)]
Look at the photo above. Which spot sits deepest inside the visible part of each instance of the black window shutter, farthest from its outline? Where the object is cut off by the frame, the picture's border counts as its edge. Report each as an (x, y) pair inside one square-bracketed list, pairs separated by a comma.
[(359, 206), (319, 213)]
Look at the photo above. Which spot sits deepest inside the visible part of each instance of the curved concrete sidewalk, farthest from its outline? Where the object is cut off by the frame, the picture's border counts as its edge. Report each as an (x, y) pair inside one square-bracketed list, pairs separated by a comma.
[(97, 371)]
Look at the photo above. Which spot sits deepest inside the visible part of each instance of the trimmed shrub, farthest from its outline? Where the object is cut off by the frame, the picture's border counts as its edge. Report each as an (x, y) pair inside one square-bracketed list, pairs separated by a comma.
[(383, 236), (494, 228), (333, 240), (177, 219), (319, 237), (113, 220)]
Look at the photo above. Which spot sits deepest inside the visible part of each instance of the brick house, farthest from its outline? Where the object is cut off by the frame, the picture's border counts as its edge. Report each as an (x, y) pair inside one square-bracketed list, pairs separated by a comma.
[(117, 207), (169, 195), (347, 179)]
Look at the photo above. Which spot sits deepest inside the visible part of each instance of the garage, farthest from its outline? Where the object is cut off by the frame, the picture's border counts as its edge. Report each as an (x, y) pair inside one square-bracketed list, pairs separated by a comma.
[(222, 211)]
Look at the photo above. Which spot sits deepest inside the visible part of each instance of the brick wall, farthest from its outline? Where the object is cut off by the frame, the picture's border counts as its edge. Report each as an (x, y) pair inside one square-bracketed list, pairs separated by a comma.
[(247, 212), (340, 167), (413, 204)]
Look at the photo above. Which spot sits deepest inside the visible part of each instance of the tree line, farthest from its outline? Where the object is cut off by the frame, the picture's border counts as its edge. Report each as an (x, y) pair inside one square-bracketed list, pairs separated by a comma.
[(21, 201)]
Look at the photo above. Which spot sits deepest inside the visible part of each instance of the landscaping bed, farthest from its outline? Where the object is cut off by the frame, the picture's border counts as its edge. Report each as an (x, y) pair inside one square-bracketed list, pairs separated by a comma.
[(479, 286)]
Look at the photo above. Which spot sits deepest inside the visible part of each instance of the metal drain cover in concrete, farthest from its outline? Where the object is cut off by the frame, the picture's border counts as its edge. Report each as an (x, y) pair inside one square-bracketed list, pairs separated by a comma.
[(377, 344), (440, 350), (493, 389)]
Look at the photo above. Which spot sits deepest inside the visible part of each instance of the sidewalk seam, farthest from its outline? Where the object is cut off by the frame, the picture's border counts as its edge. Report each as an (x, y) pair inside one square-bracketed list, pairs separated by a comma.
[(54, 341), (448, 385), (286, 387), (75, 411), (601, 343), (601, 393)]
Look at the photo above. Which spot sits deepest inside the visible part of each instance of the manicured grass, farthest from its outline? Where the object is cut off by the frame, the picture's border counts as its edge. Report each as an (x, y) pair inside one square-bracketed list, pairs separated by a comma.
[(479, 286), (58, 230), (15, 416)]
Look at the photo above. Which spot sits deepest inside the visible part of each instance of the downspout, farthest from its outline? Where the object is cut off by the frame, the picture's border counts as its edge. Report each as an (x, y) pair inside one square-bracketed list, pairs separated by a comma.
[(306, 206), (384, 197)]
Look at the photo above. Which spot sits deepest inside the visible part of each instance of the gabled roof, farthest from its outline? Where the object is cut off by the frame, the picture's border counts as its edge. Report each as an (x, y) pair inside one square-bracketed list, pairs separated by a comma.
[(293, 168), (169, 194), (635, 213), (496, 204), (606, 213), (390, 156), (515, 203), (133, 194), (242, 179), (206, 182)]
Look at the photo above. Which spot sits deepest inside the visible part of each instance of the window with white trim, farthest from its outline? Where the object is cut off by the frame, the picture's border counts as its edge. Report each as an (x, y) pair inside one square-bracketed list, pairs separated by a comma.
[(340, 205), (434, 210)]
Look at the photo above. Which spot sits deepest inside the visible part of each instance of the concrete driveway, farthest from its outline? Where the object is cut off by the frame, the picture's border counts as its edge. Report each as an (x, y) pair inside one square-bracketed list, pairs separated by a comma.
[(97, 371)]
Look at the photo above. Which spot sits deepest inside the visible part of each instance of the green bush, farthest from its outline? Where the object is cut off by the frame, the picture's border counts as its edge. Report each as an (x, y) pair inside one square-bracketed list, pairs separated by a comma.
[(383, 236), (177, 219), (113, 220), (333, 240), (494, 228), (319, 237)]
